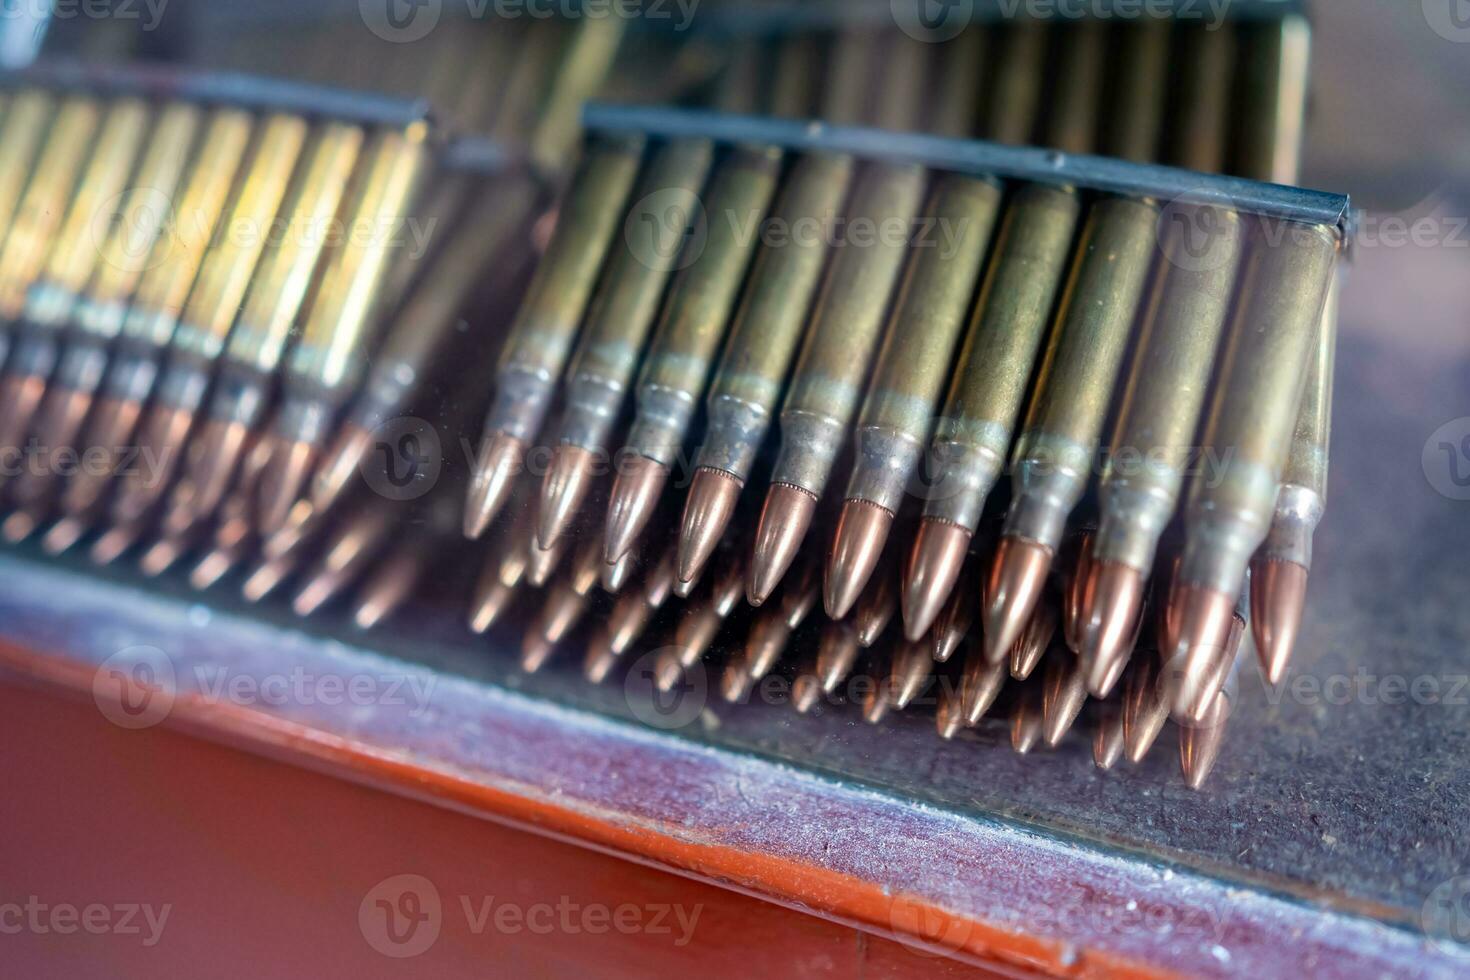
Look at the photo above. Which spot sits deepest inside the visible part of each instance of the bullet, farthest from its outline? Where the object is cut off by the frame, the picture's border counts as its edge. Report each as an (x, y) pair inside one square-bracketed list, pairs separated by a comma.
[(38, 216), (1199, 128), (1107, 737), (491, 597), (1281, 565), (949, 714), (172, 265), (837, 653), (541, 335), (1053, 459), (69, 257), (876, 607), (1063, 693), (634, 608), (390, 585), (199, 337), (1200, 740), (827, 385), (758, 352), (1249, 432), (702, 621), (1073, 109), (660, 231), (913, 365), (96, 317), (419, 334), (1015, 97), (1033, 642), (990, 382), (876, 696), (1134, 124), (1153, 441), (806, 690), (909, 674), (980, 685), (327, 360), (1075, 592), (953, 623), (1275, 57), (1026, 720), (773, 625), (961, 77), (541, 563), (250, 352), (599, 660), (23, 129), (349, 550)]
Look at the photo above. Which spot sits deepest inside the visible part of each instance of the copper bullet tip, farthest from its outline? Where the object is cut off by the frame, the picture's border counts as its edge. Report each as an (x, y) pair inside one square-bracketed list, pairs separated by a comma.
[(667, 672), (617, 575), (542, 562), (562, 612), (494, 477), (711, 504), (626, 622), (910, 673), (1114, 599), (876, 607), (1107, 739), (1062, 695), (785, 518), (765, 643), (20, 525), (980, 685), (599, 661), (1026, 722), (351, 443), (490, 601), (112, 428), (61, 419), (62, 535), (162, 555), (1075, 600), (949, 718), (291, 463), (635, 493), (735, 682), (933, 568), (1200, 638), (1033, 642), (20, 394), (1017, 578), (562, 491), (165, 431), (1145, 709), (696, 631), (1278, 596), (264, 579), (953, 624), (806, 691), (213, 454), (836, 654), (862, 530), (110, 547), (535, 651), (1200, 743), (211, 568)]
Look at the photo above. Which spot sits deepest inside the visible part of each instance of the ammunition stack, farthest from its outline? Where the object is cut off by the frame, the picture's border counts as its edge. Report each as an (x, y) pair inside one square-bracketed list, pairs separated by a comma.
[(867, 402), (970, 439)]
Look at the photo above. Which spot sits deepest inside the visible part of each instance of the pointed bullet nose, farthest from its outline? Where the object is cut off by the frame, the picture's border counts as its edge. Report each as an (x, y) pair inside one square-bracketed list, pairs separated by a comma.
[(600, 660), (490, 602), (1076, 599), (542, 562), (805, 692), (765, 643), (1017, 577), (281, 483), (712, 499), (862, 530), (562, 491), (1199, 744), (876, 606), (1278, 596), (62, 535), (618, 574), (785, 519), (933, 568), (911, 672), (625, 623), (1107, 739), (535, 651), (981, 684), (1109, 623), (1062, 695), (1026, 721), (836, 654), (1034, 642), (494, 477), (1204, 617), (349, 447), (1145, 708), (20, 525), (635, 494)]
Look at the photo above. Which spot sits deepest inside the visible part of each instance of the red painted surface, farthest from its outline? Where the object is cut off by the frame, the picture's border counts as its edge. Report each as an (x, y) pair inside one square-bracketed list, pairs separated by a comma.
[(264, 869)]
